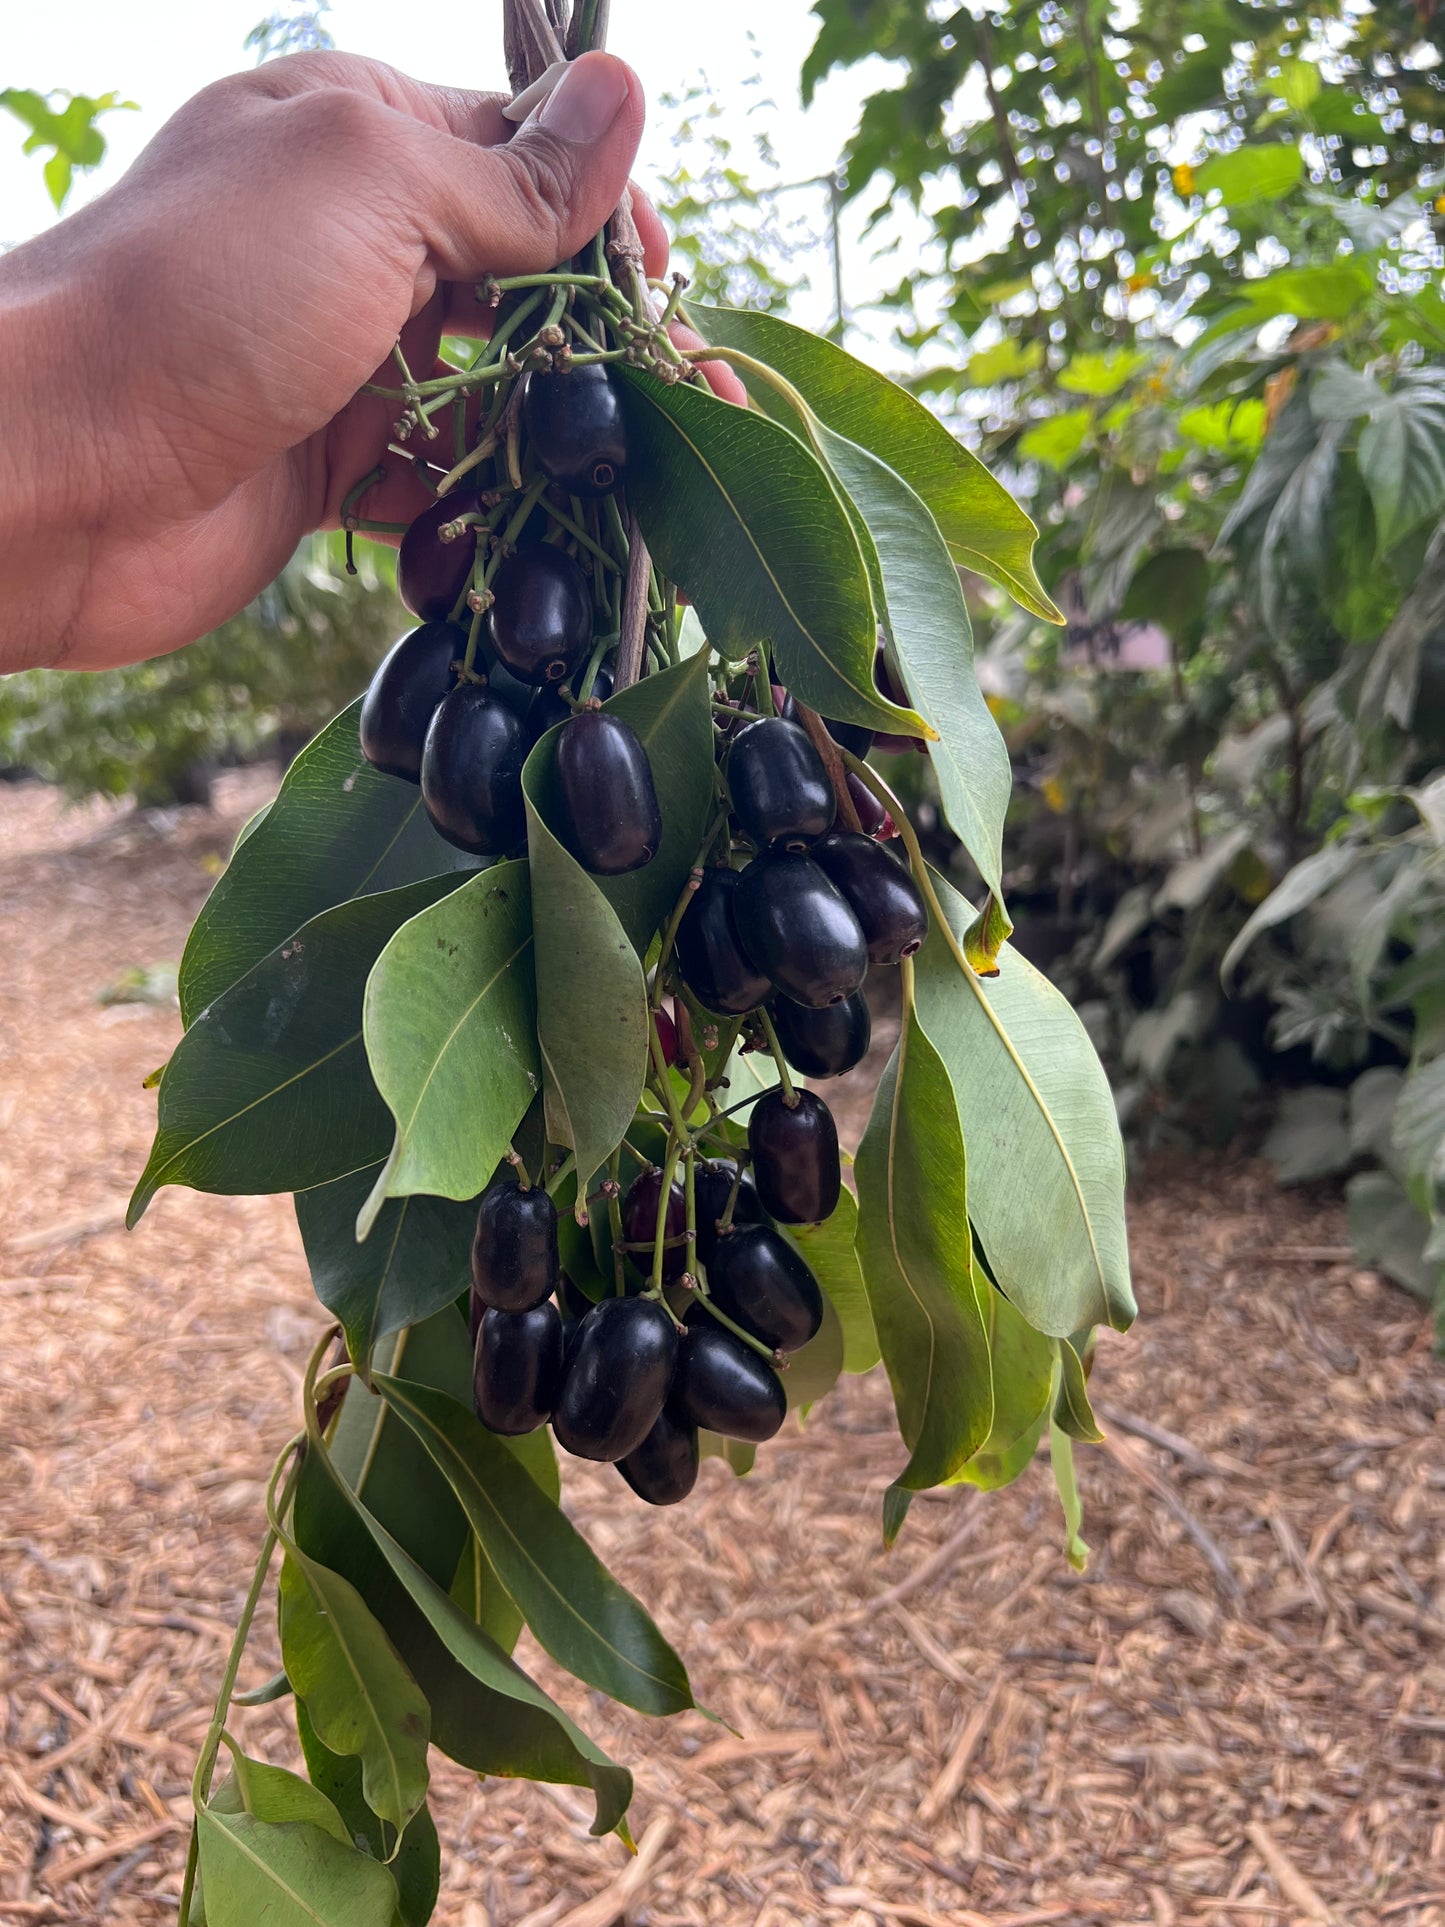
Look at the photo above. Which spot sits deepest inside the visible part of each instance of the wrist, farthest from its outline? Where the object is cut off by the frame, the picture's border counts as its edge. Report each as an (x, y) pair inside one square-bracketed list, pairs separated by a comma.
[(51, 469)]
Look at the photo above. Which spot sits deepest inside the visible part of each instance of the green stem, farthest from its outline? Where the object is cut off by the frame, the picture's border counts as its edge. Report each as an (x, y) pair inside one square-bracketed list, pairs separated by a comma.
[(614, 1221), (704, 1298), (664, 1199), (560, 1176), (868, 775), (790, 1095), (669, 935)]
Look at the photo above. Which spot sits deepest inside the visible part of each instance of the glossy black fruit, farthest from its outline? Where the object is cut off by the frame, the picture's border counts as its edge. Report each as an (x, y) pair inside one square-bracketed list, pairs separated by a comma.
[(891, 686), (824, 1043), (402, 697), (515, 693), (761, 1282), (611, 821), (797, 926), (431, 574), (663, 1469), (514, 1249), (850, 736), (471, 772), (712, 1187), (639, 1224), (780, 790), (795, 1157), (518, 1368), (881, 893), (574, 1301), (709, 951), (576, 429), (616, 1379), (724, 1386), (541, 620), (549, 706)]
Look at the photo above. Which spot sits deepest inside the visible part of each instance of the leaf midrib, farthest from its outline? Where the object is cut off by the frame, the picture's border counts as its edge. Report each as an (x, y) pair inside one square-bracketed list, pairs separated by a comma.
[(264, 1866), (450, 1038), (501, 1521)]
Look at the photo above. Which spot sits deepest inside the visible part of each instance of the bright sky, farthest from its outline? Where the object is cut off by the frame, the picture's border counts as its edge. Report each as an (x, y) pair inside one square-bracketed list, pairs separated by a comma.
[(159, 52)]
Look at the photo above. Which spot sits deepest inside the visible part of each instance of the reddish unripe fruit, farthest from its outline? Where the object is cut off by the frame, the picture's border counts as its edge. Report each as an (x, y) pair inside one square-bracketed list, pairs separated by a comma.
[(666, 1035), (639, 1224)]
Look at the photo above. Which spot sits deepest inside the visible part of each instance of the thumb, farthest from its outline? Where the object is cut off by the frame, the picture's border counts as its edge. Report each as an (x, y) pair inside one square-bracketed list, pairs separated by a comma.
[(524, 207)]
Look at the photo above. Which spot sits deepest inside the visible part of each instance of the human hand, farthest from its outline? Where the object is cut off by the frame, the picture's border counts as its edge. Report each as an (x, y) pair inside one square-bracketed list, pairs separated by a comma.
[(187, 350)]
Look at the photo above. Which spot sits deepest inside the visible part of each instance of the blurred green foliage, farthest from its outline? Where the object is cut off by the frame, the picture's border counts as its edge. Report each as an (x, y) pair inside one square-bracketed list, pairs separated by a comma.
[(63, 126)]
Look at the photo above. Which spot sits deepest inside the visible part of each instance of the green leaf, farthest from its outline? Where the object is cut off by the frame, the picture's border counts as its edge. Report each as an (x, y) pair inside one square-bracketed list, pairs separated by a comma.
[(1402, 456), (416, 1865), (592, 1022), (1387, 1230), (740, 514), (1330, 293), (293, 1875), (915, 1246), (1309, 1137), (337, 829), (416, 1260), (1057, 439), (359, 1695), (1252, 174), (450, 1018), (269, 1090), (816, 1367), (984, 527), (1303, 885), (1418, 1130), (1022, 1364), (1101, 374), (540, 1741), (272, 1794), (1072, 1410), (575, 1608), (1006, 360), (1046, 1177), (830, 1249), (1171, 589), (932, 638), (896, 1501), (1061, 1454)]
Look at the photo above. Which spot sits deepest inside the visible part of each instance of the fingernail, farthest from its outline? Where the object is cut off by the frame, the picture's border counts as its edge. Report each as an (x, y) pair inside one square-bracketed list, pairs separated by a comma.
[(586, 101)]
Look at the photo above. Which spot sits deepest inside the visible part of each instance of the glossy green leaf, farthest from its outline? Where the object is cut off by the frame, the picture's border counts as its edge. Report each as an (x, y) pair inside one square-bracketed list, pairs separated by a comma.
[(577, 1611), (932, 643), (337, 829), (915, 1246), (449, 1021), (896, 1501), (416, 1864), (1402, 455), (269, 1089), (1252, 173), (816, 1367), (546, 1744), (831, 1250), (273, 1794), (592, 1022), (361, 1699), (741, 516), (294, 1875), (416, 1260), (1072, 1410), (1046, 1162), (984, 527)]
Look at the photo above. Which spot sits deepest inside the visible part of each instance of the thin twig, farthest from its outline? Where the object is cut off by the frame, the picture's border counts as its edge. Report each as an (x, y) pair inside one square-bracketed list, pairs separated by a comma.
[(932, 1566), (1292, 1884), (634, 607), (832, 762), (1218, 1560)]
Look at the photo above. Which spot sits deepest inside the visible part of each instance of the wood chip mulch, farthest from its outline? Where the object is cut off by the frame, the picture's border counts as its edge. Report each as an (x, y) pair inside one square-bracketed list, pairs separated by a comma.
[(1237, 1716)]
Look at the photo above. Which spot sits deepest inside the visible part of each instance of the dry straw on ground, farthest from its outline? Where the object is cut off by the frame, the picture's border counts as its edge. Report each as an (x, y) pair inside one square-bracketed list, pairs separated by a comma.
[(1235, 1717)]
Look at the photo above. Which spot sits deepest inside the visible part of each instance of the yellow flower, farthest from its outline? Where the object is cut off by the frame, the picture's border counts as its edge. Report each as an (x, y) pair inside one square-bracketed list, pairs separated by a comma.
[(1054, 794), (1137, 283), (1184, 179)]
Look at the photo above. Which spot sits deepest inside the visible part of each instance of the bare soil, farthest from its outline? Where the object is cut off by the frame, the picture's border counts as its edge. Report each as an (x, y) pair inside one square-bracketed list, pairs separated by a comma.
[(1236, 1716)]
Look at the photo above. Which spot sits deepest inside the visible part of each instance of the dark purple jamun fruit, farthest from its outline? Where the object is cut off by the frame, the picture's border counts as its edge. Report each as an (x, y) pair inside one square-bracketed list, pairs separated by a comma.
[(726, 1387), (882, 895), (541, 619), (780, 791), (759, 1280), (663, 1469), (576, 429), (403, 695), (611, 820), (712, 1188), (795, 1157), (616, 1379), (431, 574), (471, 772), (797, 926), (549, 706), (514, 1249), (827, 1042), (873, 819), (518, 1368), (639, 1224), (709, 951)]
